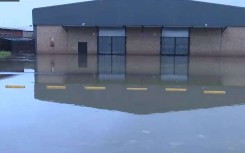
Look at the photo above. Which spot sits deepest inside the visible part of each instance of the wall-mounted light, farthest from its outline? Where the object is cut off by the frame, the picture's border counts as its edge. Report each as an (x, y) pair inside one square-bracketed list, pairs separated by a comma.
[(83, 24)]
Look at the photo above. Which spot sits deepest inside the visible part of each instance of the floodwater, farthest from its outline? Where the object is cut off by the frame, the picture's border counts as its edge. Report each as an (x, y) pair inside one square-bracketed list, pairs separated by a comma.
[(118, 104)]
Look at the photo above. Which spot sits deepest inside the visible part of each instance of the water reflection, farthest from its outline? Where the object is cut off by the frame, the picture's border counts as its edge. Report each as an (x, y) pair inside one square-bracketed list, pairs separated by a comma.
[(118, 73), (83, 61), (16, 66), (4, 76), (174, 68), (111, 67), (45, 121)]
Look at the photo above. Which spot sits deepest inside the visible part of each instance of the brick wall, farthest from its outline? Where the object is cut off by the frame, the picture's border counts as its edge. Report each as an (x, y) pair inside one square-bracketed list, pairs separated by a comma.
[(76, 35), (143, 42), (216, 42), (140, 41), (11, 33), (65, 41)]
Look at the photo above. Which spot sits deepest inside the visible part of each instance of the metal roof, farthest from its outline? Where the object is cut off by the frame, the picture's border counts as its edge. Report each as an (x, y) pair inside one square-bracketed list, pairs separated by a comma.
[(184, 13), (17, 39), (9, 28), (21, 28)]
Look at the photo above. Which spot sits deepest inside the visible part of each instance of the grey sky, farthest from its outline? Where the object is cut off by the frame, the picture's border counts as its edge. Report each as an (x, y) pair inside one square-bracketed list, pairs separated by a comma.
[(19, 14)]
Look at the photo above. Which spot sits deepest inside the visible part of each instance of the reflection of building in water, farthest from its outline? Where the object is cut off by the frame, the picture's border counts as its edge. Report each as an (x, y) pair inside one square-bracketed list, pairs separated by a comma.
[(8, 66), (83, 61), (15, 66), (4, 76), (111, 67), (151, 73), (209, 70), (136, 69), (174, 68)]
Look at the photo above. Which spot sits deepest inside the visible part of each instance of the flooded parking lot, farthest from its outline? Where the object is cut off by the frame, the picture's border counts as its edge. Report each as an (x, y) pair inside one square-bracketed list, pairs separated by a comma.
[(118, 104)]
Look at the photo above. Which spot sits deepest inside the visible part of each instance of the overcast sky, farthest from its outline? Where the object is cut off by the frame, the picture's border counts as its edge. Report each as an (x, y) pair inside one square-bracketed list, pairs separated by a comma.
[(19, 14)]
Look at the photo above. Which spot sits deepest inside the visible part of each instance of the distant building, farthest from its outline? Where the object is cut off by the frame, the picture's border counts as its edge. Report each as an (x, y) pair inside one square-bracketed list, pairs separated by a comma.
[(28, 34), (15, 33), (150, 27), (10, 33), (16, 40)]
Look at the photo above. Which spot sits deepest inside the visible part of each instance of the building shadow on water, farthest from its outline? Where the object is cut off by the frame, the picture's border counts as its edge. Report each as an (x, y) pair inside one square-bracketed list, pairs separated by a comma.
[(140, 84)]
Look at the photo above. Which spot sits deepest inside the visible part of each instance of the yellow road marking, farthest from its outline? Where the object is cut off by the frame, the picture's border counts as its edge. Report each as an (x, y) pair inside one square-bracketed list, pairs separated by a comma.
[(137, 89), (14, 86), (175, 89), (56, 87), (214, 92), (95, 88)]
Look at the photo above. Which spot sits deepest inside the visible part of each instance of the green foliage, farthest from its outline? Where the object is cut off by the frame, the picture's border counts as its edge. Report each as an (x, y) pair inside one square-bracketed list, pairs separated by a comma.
[(4, 54)]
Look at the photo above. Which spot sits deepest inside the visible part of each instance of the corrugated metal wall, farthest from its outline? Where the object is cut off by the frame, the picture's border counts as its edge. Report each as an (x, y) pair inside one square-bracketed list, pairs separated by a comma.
[(175, 41), (112, 41)]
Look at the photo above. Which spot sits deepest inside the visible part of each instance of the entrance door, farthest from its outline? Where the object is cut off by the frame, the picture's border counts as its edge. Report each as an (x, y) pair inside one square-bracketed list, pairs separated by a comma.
[(112, 41), (175, 41), (168, 46), (82, 48), (105, 45), (118, 46)]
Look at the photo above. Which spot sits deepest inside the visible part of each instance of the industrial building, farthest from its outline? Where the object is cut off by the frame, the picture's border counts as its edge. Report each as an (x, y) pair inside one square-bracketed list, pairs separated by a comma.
[(141, 27)]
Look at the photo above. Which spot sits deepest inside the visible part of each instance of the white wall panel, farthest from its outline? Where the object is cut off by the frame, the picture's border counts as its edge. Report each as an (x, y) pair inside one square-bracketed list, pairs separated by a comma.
[(175, 32), (112, 32)]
